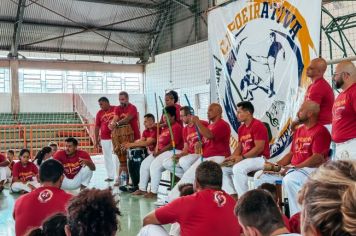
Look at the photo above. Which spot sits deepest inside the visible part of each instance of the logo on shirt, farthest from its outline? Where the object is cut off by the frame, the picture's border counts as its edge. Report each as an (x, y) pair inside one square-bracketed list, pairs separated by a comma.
[(219, 198), (45, 196)]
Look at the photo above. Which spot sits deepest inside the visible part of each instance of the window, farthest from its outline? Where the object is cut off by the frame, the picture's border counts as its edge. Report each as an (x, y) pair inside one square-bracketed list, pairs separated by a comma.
[(4, 80)]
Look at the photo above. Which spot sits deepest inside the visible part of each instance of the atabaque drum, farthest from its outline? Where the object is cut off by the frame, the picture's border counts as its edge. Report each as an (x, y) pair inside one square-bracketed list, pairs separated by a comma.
[(120, 135), (135, 157)]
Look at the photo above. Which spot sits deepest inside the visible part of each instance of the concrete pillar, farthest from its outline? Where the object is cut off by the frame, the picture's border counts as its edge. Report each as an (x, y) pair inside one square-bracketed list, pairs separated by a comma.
[(15, 93)]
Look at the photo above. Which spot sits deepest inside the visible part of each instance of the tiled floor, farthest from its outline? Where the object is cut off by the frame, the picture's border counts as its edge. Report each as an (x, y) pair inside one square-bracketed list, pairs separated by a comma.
[(133, 208)]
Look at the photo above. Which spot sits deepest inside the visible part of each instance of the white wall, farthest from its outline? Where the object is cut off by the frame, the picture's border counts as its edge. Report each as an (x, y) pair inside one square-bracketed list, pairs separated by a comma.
[(5, 102), (185, 70)]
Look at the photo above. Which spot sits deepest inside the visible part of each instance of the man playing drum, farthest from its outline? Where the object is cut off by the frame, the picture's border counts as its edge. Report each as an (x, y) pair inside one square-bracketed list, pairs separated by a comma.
[(137, 151), (125, 122)]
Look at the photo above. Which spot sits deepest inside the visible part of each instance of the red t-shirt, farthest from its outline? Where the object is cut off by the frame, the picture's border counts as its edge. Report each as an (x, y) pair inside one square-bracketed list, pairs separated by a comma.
[(219, 145), (306, 142), (102, 121), (24, 173), (207, 212), (11, 166), (165, 137), (2, 158), (344, 116), (33, 208), (123, 112), (321, 92), (150, 133), (72, 164), (286, 221), (190, 136), (248, 134), (294, 223)]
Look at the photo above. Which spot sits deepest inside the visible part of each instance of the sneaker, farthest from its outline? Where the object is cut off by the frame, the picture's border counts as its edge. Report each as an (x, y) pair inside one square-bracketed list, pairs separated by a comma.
[(124, 188), (133, 189), (109, 180)]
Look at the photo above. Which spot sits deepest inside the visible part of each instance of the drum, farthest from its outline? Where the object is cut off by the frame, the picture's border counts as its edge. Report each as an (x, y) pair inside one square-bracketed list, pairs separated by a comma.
[(135, 157), (120, 135)]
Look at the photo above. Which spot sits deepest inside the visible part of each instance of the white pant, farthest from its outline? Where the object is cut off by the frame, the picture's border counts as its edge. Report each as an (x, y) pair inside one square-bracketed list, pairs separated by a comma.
[(109, 158), (154, 230), (183, 164), (157, 168), (83, 177), (5, 173), (345, 150), (19, 186), (238, 175), (292, 184), (189, 176)]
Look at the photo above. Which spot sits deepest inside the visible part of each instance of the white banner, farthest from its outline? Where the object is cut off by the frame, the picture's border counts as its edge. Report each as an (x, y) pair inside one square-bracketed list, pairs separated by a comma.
[(260, 50)]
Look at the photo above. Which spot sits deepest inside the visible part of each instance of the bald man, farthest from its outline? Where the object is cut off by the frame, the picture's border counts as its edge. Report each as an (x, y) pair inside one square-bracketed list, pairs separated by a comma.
[(344, 111), (309, 150), (215, 144), (320, 92)]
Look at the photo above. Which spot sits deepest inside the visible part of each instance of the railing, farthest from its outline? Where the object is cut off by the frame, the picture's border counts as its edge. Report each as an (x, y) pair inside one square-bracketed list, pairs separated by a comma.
[(35, 137)]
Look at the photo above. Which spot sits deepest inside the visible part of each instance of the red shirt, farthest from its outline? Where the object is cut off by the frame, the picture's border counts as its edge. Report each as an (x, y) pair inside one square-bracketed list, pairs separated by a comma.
[(307, 142), (2, 158), (33, 208), (71, 165), (150, 133), (294, 223), (207, 213), (321, 92), (219, 145), (190, 136), (344, 116), (123, 112), (165, 137), (11, 166), (256, 131), (24, 173), (102, 121)]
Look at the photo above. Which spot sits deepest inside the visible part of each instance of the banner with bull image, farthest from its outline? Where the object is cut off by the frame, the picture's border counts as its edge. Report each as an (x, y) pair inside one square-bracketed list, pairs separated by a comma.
[(260, 50)]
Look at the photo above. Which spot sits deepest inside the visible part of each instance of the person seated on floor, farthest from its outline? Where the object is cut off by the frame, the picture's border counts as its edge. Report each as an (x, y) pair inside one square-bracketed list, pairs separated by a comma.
[(250, 153), (259, 214), (93, 212), (181, 162), (52, 226), (5, 172), (32, 209), (78, 166), (147, 140), (152, 166), (44, 154), (271, 188), (10, 155), (24, 174), (310, 148), (209, 211), (54, 146), (328, 200)]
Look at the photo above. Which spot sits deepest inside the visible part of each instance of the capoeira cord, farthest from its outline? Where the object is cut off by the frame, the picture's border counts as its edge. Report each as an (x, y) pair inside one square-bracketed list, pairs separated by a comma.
[(172, 141), (195, 126)]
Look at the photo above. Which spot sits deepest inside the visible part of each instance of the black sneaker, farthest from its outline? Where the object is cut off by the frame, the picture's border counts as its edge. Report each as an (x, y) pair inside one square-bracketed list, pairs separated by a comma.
[(124, 188), (133, 189)]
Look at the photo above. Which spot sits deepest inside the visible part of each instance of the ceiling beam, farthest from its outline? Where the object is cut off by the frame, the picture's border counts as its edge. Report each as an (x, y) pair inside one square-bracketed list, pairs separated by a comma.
[(76, 27), (17, 28), (125, 3)]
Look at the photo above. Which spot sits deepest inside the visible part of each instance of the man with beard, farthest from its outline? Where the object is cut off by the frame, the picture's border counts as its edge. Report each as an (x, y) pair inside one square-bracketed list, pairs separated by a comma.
[(344, 111)]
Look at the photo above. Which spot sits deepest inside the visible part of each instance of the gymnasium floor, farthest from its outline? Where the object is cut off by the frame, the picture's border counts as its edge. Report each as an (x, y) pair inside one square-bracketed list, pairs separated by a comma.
[(133, 209)]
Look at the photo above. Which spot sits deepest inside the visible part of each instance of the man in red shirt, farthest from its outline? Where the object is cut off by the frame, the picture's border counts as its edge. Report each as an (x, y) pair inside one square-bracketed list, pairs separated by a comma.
[(310, 148), (320, 92), (102, 121), (259, 214), (250, 153), (126, 113), (147, 140), (190, 137), (152, 166), (24, 174), (209, 211), (215, 144), (32, 209), (344, 111), (5, 172), (78, 166)]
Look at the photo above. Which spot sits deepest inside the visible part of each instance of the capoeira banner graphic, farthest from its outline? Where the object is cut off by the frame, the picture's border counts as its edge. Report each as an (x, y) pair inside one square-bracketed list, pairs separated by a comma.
[(260, 50)]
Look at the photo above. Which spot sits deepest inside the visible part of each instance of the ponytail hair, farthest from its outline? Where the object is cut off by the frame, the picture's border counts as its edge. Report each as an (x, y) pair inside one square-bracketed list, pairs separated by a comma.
[(41, 154)]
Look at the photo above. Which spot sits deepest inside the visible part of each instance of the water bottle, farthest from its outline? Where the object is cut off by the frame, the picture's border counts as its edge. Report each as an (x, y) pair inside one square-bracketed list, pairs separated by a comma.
[(123, 178)]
